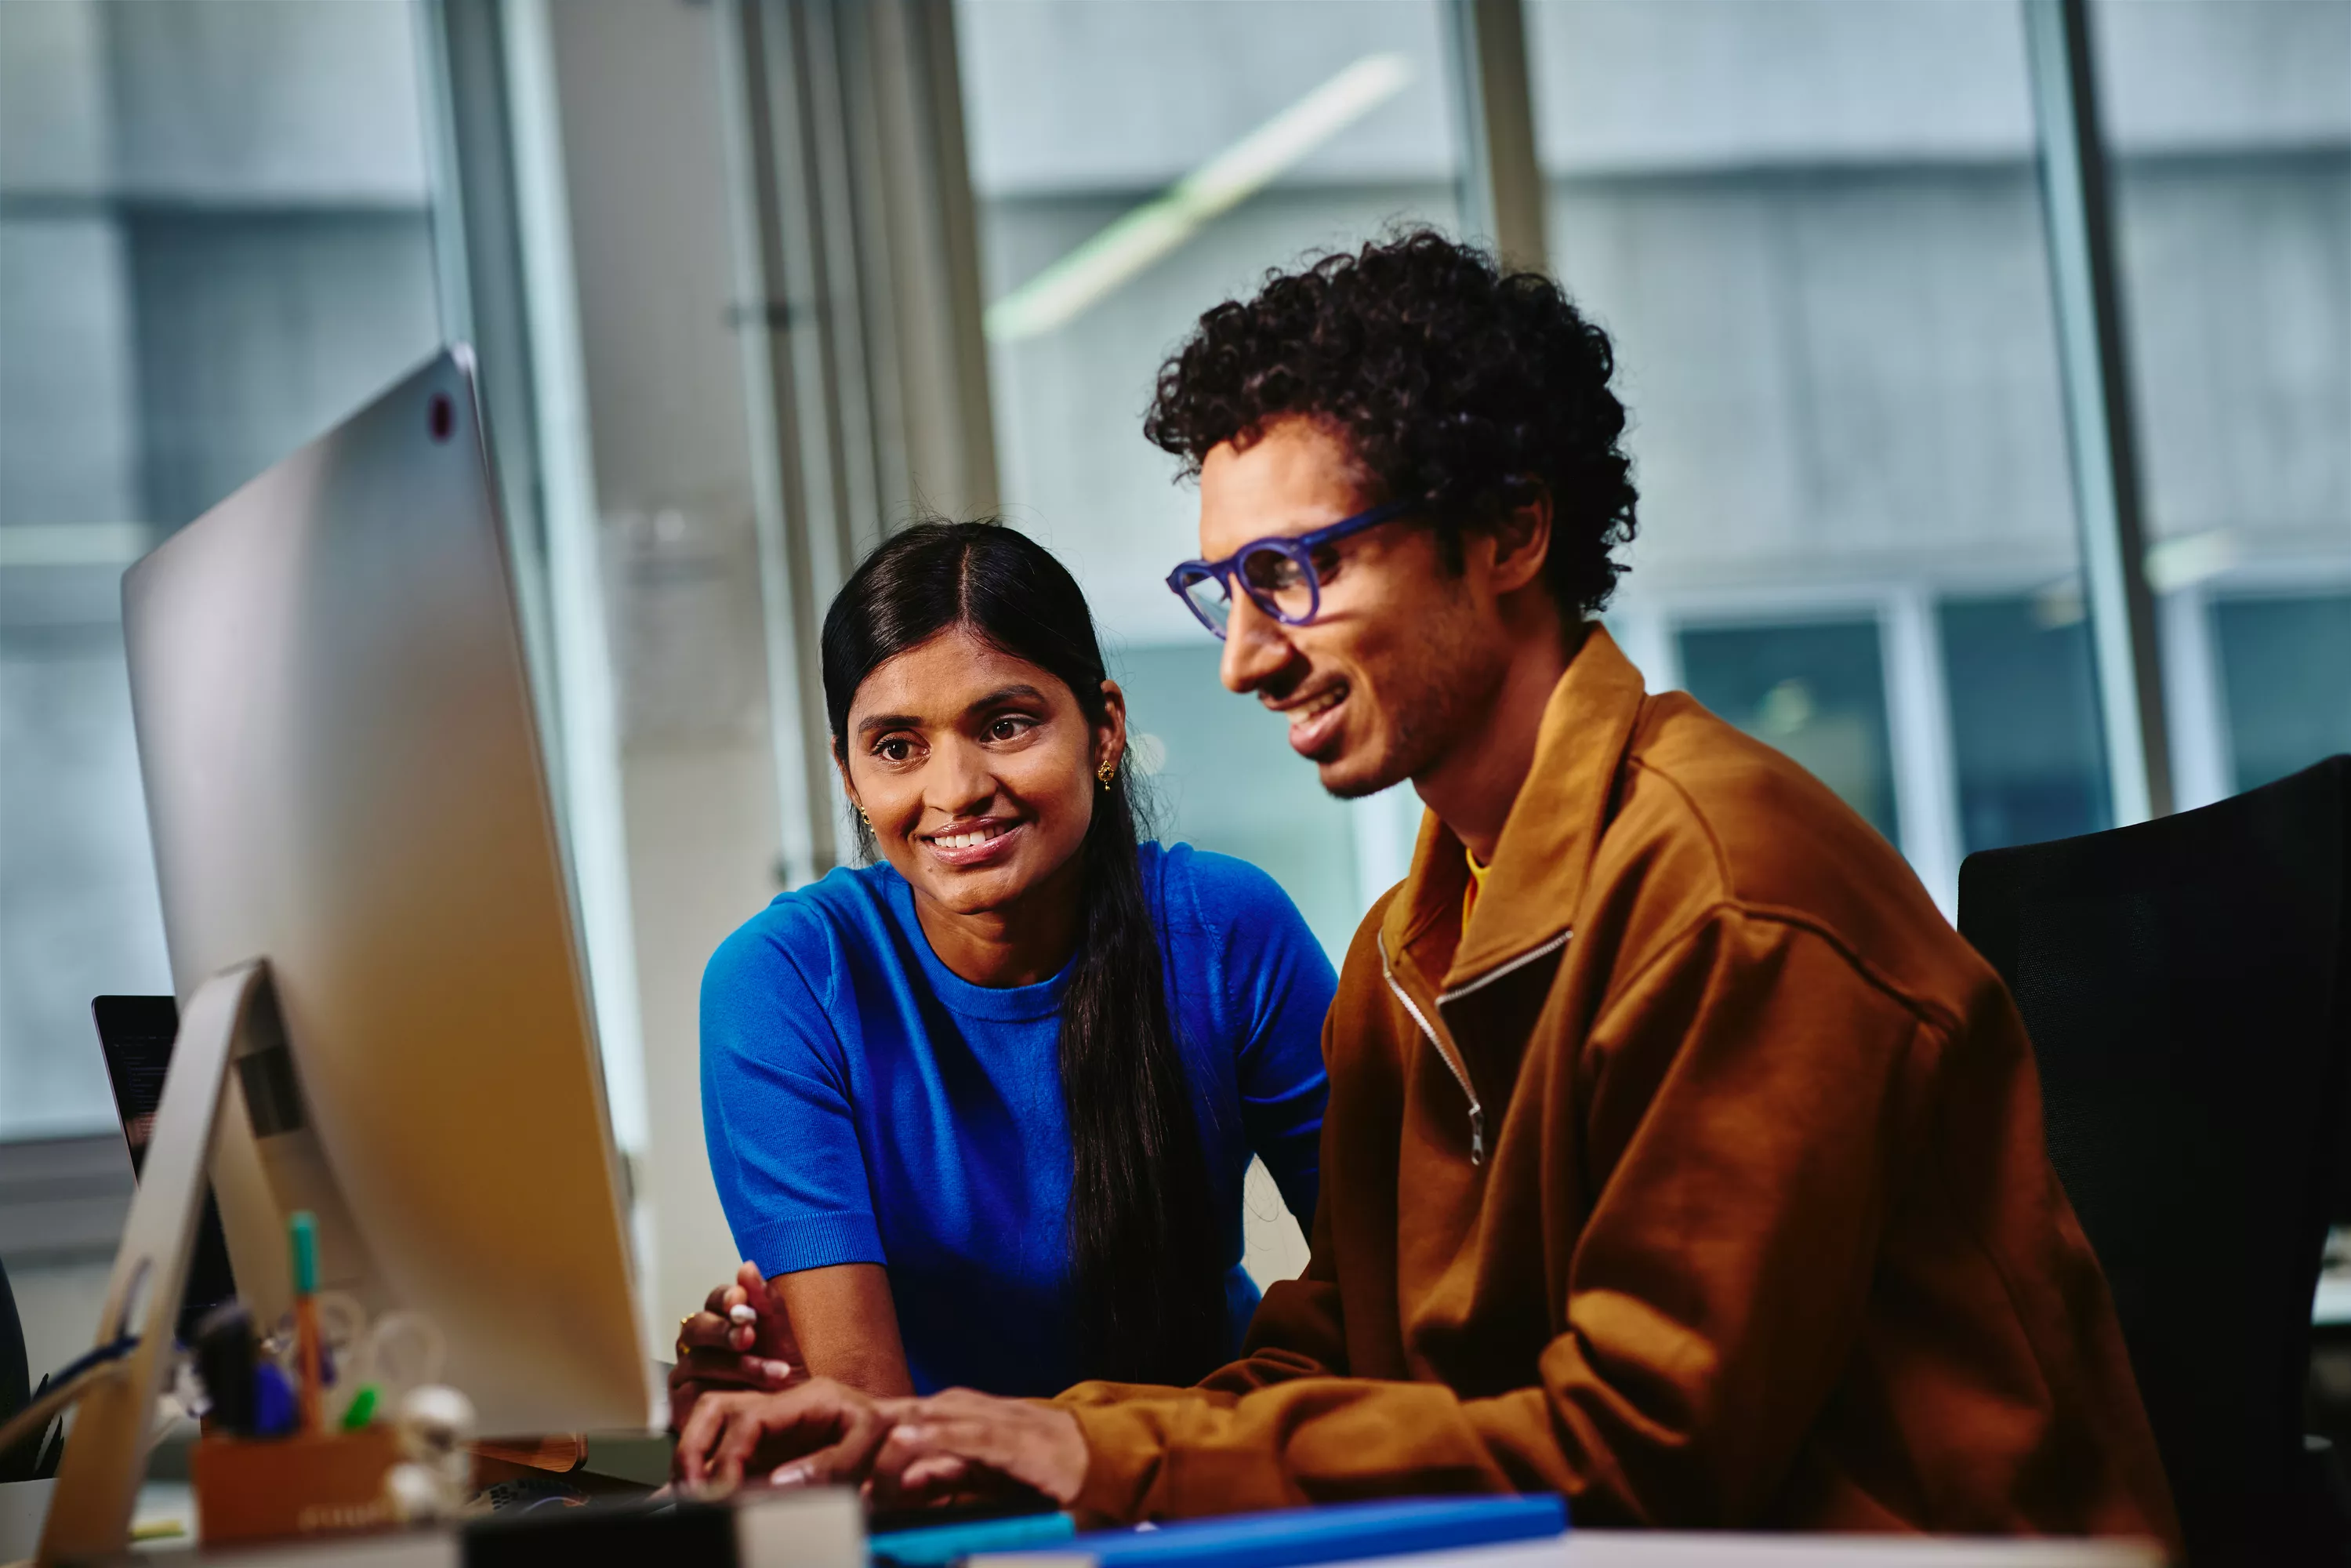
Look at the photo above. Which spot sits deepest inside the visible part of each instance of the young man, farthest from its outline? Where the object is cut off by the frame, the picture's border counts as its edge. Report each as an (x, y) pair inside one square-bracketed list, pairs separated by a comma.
[(1680, 1157)]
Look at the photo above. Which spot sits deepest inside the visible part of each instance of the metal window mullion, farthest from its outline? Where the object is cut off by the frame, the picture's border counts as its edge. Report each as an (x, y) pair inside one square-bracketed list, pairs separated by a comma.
[(1918, 726), (478, 267), (502, 239), (585, 687), (947, 223), (2194, 699), (832, 274), (1502, 187), (919, 226), (2076, 198), (825, 38), (769, 177), (861, 255)]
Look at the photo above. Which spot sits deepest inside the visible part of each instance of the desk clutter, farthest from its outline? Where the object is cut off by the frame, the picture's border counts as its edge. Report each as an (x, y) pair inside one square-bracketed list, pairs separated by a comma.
[(339, 1425), (330, 1422)]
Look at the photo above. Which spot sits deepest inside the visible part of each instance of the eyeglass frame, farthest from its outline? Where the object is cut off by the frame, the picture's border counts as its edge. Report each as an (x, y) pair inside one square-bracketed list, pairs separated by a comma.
[(1299, 548)]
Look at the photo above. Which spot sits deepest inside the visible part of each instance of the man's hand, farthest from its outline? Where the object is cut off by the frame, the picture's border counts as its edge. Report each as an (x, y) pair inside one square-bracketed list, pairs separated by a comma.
[(951, 1440), (828, 1431), (716, 1353), (909, 1453)]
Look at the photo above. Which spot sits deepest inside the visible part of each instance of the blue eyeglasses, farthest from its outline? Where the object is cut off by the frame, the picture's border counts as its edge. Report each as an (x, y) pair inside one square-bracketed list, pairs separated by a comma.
[(1276, 572)]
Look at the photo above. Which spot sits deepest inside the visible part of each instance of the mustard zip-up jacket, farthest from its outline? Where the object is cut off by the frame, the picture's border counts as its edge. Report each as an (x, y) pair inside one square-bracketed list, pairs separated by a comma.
[(1699, 1179)]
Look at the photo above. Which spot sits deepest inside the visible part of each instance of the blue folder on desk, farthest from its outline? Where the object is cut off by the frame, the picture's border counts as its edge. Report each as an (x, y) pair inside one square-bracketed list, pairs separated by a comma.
[(1335, 1532)]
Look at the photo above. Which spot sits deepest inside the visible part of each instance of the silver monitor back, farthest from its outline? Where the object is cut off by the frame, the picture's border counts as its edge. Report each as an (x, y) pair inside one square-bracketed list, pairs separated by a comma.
[(344, 778)]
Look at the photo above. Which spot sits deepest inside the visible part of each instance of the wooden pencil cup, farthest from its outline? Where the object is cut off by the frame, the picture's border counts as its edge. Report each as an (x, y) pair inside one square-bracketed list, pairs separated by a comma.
[(281, 1489)]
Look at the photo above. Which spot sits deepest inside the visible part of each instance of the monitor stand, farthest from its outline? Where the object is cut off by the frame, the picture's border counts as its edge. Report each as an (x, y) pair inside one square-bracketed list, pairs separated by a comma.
[(106, 1456)]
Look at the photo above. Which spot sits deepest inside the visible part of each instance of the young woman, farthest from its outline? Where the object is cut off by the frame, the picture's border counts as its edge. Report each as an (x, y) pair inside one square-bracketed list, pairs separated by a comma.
[(979, 1113)]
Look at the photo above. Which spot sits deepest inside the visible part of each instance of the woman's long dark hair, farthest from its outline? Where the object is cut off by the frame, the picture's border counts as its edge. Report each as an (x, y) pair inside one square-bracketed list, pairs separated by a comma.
[(1143, 1234)]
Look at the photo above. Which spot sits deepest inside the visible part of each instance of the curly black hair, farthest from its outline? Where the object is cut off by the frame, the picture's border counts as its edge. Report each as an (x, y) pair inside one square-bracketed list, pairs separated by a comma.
[(1450, 379)]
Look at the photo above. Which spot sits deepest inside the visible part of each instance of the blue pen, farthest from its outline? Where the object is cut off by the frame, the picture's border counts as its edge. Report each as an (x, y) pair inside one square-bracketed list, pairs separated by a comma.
[(1334, 1532), (935, 1545)]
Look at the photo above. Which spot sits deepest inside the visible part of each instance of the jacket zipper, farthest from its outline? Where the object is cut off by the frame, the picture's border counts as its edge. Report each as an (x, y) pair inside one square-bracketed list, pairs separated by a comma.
[(1460, 1073), (1499, 971)]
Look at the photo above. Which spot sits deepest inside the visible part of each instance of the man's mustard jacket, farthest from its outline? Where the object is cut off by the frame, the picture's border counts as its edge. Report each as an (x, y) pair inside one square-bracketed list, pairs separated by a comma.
[(1700, 1179)]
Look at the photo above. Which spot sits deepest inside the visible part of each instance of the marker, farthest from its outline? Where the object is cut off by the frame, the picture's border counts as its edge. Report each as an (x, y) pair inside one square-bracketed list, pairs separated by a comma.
[(304, 1229), (362, 1409), (273, 1401)]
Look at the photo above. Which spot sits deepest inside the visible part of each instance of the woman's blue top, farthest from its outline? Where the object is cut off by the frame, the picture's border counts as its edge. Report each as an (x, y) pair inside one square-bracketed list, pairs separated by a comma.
[(864, 1104)]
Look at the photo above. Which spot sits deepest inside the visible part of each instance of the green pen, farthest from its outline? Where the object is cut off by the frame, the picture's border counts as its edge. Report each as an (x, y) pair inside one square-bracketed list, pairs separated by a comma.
[(362, 1409)]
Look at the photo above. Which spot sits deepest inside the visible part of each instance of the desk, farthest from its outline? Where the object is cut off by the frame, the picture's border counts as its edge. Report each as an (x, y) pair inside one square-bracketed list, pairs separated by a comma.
[(1584, 1549), (1580, 1549), (1658, 1549), (23, 1504), (1645, 1549)]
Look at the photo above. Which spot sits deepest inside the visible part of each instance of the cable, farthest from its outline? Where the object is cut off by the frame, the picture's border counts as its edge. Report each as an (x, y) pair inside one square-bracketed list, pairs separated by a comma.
[(63, 1387)]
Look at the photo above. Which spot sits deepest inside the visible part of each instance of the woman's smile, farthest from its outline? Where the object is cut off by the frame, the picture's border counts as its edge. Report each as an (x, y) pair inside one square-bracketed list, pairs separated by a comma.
[(963, 845)]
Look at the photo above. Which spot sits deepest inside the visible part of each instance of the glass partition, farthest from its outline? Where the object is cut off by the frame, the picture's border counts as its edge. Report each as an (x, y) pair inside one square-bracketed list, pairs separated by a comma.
[(1816, 692), (1813, 229), (2023, 720), (2229, 128), (213, 243), (1133, 166)]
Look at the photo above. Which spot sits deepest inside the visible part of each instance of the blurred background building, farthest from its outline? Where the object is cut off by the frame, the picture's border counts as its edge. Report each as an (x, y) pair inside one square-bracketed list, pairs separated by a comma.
[(753, 281)]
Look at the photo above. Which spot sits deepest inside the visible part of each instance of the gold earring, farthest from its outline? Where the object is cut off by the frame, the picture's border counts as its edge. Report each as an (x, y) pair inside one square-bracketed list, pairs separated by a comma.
[(1106, 772), (863, 817)]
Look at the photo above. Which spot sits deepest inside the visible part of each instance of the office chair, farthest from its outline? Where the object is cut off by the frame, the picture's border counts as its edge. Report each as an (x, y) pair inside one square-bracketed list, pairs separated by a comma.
[(2187, 984), (16, 1378)]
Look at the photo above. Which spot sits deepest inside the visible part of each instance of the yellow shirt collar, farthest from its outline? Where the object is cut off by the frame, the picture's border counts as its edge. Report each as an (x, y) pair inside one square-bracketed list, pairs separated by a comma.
[(1477, 881)]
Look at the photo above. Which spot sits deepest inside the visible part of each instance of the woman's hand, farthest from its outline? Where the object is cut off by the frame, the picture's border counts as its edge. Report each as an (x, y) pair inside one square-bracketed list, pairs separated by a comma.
[(717, 1352)]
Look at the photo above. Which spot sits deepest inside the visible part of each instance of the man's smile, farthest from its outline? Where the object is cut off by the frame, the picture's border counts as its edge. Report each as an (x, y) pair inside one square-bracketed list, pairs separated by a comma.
[(1314, 717)]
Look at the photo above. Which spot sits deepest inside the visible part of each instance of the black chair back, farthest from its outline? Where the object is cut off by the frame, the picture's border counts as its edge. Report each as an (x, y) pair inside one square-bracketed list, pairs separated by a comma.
[(15, 1379), (2184, 982), (15, 1385)]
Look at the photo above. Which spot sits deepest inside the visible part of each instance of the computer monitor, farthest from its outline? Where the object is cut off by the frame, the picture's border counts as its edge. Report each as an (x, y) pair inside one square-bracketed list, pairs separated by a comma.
[(344, 778)]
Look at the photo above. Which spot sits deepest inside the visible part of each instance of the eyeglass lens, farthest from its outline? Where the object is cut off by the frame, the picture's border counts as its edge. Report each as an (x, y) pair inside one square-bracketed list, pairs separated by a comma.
[(1205, 592), (1279, 582)]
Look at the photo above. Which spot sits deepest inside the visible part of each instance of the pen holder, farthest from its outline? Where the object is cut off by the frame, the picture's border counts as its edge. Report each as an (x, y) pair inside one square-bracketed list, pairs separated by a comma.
[(280, 1488)]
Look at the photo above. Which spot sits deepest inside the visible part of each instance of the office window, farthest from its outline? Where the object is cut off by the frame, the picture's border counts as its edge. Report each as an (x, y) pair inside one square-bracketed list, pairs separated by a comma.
[(213, 243), (1816, 693), (2024, 720), (1133, 166), (2284, 662), (1813, 229), (2229, 127), (1207, 774)]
